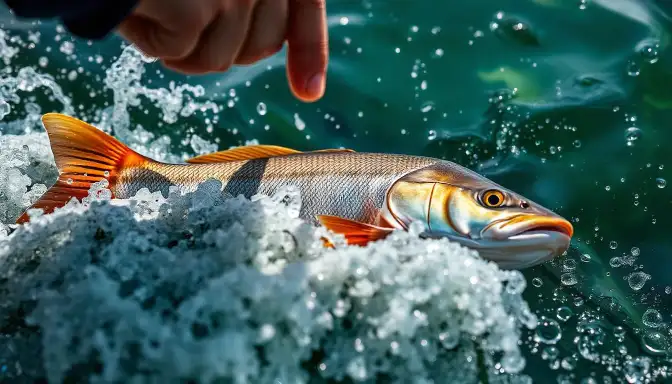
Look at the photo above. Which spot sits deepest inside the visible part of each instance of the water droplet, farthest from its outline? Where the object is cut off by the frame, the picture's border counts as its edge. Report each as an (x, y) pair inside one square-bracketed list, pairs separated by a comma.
[(550, 353), (428, 106), (449, 340), (569, 363), (568, 279), (634, 251), (660, 182), (432, 135), (261, 109), (607, 188), (636, 280), (590, 342), (67, 47), (613, 245), (633, 68), (106, 173), (655, 343), (635, 370), (585, 258), (563, 313), (578, 301), (619, 331), (632, 134), (668, 289), (577, 143), (569, 265), (69, 181), (648, 50), (298, 123), (652, 318), (615, 262)]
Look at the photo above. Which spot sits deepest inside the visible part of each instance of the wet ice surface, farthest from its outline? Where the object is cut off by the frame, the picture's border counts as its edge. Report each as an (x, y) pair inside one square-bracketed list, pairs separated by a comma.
[(205, 286)]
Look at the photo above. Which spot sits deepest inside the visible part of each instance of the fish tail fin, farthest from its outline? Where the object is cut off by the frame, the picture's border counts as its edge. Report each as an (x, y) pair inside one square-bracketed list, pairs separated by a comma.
[(84, 155)]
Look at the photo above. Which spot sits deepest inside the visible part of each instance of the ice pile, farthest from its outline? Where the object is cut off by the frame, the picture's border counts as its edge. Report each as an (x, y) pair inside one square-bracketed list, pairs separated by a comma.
[(26, 165), (204, 286)]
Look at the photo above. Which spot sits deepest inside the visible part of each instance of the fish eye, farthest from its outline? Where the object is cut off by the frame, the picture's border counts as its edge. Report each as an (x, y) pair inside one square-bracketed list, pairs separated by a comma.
[(492, 198)]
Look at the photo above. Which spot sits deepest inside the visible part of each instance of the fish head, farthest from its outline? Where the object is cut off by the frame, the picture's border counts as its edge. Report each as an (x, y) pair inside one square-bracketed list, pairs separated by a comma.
[(456, 203)]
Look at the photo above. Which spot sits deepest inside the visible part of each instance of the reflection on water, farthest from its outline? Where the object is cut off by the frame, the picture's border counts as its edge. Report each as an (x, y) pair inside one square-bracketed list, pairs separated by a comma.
[(567, 102)]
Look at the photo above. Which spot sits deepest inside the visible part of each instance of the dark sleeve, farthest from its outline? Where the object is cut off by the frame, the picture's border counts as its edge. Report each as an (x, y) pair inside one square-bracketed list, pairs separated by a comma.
[(89, 19)]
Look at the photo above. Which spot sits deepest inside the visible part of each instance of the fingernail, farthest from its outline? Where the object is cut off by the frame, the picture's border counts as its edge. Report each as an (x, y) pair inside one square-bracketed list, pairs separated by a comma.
[(315, 86)]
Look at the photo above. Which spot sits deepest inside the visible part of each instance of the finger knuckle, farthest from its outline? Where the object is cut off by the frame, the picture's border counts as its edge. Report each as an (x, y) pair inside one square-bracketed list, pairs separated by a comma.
[(228, 7), (196, 20)]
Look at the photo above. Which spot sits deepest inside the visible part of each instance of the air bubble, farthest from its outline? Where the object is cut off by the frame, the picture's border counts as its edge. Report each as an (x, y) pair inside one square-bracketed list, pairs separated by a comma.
[(649, 50), (652, 318), (563, 313), (633, 68), (636, 280), (261, 109), (568, 279)]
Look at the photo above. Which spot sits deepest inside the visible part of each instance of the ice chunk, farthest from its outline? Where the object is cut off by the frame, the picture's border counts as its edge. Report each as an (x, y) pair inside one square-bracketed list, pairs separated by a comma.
[(26, 164)]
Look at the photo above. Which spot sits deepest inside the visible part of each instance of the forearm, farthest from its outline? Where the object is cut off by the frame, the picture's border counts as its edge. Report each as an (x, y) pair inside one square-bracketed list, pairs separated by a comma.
[(91, 19)]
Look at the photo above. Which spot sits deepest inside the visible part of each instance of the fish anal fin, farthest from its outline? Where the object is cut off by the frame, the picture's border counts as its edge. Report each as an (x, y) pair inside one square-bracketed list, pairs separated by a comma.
[(251, 152), (356, 233), (84, 155)]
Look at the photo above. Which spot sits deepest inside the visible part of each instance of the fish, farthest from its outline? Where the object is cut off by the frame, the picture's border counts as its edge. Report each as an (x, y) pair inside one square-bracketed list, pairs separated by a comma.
[(362, 196)]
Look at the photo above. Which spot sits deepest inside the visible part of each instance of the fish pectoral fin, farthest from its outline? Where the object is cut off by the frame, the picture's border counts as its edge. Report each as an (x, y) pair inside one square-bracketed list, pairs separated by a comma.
[(251, 152), (355, 233), (84, 155)]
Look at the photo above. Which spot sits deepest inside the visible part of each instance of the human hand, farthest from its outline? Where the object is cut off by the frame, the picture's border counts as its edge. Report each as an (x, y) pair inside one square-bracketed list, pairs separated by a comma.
[(203, 36)]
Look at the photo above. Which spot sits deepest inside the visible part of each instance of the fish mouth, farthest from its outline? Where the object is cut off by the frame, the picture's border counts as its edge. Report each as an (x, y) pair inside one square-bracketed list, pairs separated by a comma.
[(525, 241), (545, 225)]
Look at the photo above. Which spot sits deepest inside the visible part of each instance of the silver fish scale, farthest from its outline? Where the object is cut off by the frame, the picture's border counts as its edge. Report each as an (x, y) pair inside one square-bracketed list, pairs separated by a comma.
[(346, 184)]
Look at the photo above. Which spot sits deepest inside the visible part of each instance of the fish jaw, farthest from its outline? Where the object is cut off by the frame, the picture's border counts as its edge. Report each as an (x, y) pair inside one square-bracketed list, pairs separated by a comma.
[(523, 241)]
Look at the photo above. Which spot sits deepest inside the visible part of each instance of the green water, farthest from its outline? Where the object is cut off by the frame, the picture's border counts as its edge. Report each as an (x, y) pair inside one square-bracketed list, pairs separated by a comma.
[(542, 107)]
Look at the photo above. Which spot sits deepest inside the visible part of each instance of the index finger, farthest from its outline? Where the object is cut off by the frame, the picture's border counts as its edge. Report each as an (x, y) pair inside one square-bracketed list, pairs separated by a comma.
[(308, 51)]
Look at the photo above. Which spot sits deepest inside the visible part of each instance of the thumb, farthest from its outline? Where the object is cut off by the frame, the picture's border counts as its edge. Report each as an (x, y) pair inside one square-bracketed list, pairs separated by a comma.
[(308, 51)]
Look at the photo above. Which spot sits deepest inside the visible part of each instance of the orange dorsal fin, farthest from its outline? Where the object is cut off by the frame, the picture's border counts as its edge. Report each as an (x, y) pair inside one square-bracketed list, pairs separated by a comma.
[(84, 155), (355, 233), (251, 152), (248, 152)]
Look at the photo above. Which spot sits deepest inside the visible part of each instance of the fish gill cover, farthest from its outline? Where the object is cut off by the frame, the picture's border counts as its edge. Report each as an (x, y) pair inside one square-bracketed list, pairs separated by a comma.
[(207, 287)]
